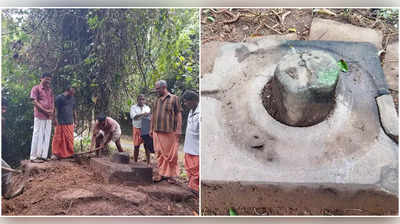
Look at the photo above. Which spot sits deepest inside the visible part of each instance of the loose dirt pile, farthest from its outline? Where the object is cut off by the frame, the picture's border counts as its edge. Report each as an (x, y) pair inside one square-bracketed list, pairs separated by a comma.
[(68, 188)]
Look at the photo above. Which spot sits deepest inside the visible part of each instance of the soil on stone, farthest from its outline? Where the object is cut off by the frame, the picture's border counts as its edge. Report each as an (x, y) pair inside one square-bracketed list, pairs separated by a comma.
[(90, 196), (243, 24)]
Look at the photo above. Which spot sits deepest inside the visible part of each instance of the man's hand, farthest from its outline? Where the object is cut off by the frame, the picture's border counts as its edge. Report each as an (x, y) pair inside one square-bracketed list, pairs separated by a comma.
[(151, 134)]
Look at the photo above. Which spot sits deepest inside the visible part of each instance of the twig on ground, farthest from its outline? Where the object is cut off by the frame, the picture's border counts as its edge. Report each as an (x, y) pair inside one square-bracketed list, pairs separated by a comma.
[(271, 28), (218, 12), (235, 17), (70, 204), (284, 16)]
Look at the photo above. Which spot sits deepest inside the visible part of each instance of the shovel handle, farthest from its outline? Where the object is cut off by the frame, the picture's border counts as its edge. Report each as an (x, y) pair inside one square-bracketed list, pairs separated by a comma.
[(11, 170), (82, 153)]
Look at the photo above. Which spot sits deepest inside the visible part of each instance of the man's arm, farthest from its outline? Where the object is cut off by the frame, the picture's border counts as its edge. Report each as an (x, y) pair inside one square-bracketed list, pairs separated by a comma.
[(178, 123), (178, 116), (75, 118), (151, 124), (55, 117), (39, 106), (93, 141)]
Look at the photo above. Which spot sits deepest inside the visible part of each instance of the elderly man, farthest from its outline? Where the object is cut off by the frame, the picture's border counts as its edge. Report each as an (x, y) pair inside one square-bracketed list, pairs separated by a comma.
[(191, 147), (43, 100), (166, 124), (63, 139), (106, 129), (138, 112)]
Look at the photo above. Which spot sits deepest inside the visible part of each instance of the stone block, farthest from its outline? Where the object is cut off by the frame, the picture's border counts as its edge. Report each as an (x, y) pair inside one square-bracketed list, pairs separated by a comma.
[(391, 65), (128, 174), (325, 29), (120, 157), (348, 152)]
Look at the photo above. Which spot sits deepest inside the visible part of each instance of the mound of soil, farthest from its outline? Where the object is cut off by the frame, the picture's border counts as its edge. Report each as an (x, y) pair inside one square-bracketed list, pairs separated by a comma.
[(68, 188)]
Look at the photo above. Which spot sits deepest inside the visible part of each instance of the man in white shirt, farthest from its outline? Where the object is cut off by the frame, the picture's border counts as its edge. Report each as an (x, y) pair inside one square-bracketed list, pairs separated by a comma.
[(138, 112), (191, 147)]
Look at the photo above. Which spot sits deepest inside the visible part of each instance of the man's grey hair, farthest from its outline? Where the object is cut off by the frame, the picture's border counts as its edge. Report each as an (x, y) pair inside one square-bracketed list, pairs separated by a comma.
[(161, 83)]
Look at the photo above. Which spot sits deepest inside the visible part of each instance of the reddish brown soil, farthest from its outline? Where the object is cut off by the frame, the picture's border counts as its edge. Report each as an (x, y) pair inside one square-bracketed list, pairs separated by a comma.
[(248, 199), (40, 195)]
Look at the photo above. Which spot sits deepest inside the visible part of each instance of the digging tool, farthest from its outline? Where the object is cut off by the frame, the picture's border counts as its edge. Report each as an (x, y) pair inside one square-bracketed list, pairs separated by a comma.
[(11, 170), (83, 153)]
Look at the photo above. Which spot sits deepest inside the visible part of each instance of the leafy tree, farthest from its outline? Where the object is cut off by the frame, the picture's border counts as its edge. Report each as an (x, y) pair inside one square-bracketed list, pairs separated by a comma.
[(108, 55)]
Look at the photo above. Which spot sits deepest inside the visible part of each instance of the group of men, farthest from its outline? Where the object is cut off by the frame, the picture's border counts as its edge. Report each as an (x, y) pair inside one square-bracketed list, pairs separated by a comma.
[(158, 129)]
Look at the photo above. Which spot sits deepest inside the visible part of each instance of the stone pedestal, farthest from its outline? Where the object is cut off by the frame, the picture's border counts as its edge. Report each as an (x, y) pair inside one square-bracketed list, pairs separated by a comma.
[(342, 158)]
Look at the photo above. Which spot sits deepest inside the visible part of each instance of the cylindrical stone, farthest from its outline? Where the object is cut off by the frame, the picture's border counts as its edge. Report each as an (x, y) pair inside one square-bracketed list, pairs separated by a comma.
[(120, 157), (304, 86)]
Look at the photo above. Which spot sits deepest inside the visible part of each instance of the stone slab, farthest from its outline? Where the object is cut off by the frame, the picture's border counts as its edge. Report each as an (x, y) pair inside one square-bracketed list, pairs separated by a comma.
[(209, 51), (349, 148), (324, 29), (74, 193), (391, 65), (388, 116), (169, 191), (128, 174)]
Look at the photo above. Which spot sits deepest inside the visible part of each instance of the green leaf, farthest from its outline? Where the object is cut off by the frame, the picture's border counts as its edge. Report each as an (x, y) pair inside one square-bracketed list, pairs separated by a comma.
[(343, 66), (232, 212), (211, 19)]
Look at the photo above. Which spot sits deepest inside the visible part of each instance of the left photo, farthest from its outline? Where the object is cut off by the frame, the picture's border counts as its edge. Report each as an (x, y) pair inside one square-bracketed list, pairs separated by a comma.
[(100, 113)]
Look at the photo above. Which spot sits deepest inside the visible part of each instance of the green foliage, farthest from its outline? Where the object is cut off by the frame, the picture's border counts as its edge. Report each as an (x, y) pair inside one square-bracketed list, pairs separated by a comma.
[(232, 212), (108, 55), (343, 65)]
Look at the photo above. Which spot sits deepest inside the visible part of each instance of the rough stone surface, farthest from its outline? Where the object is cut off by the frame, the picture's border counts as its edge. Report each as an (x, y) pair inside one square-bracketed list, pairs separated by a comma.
[(303, 87), (324, 29), (120, 157), (388, 116), (74, 193), (243, 143), (209, 51), (128, 174), (131, 195), (391, 66), (172, 192)]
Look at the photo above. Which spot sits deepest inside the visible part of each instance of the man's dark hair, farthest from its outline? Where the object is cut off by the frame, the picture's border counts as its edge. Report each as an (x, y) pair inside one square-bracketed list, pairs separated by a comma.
[(45, 75), (190, 95), (101, 117), (67, 87), (140, 95)]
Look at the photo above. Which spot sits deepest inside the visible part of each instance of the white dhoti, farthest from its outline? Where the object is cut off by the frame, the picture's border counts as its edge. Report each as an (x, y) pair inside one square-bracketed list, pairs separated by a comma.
[(40, 138)]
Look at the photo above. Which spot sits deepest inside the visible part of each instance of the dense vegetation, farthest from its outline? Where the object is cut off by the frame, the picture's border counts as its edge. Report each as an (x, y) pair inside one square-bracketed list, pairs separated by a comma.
[(108, 55)]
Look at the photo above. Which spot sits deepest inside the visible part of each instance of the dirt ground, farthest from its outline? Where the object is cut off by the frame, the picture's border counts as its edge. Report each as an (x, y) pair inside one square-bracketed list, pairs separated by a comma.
[(240, 25), (45, 193), (297, 201)]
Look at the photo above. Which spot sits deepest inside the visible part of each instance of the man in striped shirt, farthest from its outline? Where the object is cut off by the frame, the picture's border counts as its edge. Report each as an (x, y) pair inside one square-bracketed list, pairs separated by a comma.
[(166, 124)]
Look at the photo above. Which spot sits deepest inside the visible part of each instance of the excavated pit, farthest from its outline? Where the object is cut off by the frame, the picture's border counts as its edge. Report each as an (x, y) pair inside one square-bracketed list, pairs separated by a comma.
[(344, 149)]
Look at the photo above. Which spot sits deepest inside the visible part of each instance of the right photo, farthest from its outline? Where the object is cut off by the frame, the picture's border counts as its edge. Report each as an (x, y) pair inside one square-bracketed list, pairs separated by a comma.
[(299, 111)]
